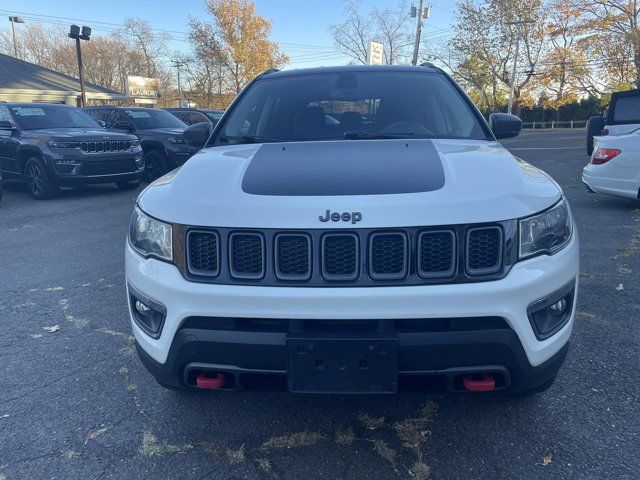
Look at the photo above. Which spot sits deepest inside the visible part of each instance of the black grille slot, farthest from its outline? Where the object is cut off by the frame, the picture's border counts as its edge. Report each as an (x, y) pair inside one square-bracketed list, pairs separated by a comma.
[(484, 250), (109, 146), (246, 255), (436, 254), (293, 256), (108, 168), (388, 256), (340, 256), (203, 253)]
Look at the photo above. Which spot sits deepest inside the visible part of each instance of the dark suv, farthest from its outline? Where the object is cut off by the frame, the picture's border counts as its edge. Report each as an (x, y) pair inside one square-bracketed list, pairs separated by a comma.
[(159, 132), (51, 145), (195, 115)]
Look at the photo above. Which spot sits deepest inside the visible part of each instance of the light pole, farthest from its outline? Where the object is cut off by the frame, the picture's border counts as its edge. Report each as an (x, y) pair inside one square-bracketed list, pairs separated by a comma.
[(77, 35), (421, 13), (13, 21), (178, 64), (515, 60)]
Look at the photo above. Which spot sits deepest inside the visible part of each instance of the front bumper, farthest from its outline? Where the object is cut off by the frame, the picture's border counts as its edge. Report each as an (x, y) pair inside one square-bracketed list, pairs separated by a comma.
[(515, 348), (72, 167)]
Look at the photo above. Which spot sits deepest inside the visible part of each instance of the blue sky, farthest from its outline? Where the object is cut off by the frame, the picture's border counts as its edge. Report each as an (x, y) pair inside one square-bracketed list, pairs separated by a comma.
[(301, 27)]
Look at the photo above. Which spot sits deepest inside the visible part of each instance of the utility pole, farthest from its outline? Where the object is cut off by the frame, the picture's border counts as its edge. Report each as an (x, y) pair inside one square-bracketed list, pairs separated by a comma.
[(515, 60), (13, 21), (178, 64), (421, 13), (77, 35)]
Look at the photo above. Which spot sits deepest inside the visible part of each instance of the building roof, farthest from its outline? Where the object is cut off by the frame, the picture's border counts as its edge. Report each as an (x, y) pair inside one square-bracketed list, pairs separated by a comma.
[(19, 75)]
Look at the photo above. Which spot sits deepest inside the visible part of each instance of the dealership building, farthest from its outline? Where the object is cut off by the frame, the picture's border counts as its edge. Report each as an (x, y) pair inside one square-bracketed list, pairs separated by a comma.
[(22, 81)]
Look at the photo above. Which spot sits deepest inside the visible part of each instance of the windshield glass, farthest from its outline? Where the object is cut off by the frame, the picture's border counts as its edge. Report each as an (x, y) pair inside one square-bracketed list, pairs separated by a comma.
[(627, 110), (52, 116), (152, 118), (213, 115), (358, 105)]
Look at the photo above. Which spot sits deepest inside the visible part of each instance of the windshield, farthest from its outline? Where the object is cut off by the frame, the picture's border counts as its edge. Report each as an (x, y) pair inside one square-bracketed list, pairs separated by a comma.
[(152, 118), (358, 105), (213, 115), (52, 116)]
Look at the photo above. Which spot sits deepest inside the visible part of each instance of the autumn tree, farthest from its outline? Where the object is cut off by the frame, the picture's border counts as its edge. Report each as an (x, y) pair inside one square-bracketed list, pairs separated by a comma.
[(614, 33), (564, 70), (486, 32), (390, 26), (238, 40)]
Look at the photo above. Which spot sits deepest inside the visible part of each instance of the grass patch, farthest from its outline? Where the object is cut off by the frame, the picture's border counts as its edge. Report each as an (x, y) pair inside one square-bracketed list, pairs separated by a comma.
[(293, 440)]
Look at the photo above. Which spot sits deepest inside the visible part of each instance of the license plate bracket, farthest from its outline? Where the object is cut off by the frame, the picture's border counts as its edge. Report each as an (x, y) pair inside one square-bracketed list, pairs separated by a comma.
[(343, 365)]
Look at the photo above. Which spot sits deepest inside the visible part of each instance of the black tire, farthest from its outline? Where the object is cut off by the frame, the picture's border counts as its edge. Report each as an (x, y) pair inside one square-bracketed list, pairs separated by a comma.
[(175, 388), (130, 185), (595, 125), (38, 181), (156, 164), (535, 390)]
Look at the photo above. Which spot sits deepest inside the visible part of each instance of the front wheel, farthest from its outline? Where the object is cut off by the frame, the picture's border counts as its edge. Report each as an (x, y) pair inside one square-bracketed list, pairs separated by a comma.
[(156, 164), (39, 183)]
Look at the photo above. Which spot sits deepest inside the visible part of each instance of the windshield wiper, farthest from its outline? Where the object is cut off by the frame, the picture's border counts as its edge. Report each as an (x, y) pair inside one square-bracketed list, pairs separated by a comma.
[(360, 135), (242, 139)]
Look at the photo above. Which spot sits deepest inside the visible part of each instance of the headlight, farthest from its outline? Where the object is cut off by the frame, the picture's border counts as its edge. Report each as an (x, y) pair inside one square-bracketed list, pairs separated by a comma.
[(150, 237), (135, 143), (54, 144), (546, 232), (180, 140)]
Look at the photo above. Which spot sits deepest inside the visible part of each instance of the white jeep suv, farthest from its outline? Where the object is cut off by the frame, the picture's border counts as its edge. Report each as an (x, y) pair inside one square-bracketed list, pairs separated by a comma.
[(353, 230)]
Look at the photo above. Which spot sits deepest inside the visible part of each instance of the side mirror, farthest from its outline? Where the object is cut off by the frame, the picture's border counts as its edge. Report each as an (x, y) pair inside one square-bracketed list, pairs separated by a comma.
[(123, 125), (504, 125), (198, 133)]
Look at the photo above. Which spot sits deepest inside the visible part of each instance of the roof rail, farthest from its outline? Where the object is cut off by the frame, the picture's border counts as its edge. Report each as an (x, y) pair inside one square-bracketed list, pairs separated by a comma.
[(271, 70), (428, 64)]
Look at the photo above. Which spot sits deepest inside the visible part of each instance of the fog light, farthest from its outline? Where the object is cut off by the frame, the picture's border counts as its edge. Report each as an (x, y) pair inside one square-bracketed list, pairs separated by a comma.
[(148, 314), (548, 315), (558, 307), (142, 308)]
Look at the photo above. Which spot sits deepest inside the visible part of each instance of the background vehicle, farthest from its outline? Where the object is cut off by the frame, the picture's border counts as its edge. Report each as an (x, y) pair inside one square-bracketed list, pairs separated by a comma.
[(622, 117), (50, 145), (159, 133), (196, 115), (614, 168), (400, 243)]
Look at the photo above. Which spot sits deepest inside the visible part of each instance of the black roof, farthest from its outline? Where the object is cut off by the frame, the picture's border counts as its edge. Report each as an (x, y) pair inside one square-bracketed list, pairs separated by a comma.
[(351, 69), (36, 104), (20, 75)]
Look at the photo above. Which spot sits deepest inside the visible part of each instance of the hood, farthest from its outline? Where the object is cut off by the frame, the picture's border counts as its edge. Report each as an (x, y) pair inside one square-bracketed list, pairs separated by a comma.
[(162, 131), (390, 183), (79, 134)]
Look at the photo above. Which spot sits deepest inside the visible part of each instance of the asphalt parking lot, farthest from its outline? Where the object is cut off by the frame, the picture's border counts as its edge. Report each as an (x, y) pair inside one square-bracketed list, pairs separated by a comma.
[(75, 402)]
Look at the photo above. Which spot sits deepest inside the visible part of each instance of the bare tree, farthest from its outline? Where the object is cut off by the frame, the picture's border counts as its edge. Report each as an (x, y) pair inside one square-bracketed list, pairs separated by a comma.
[(389, 26)]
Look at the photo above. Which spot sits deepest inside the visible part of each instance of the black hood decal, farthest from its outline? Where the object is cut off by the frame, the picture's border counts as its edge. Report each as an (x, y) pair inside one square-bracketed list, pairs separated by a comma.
[(350, 167)]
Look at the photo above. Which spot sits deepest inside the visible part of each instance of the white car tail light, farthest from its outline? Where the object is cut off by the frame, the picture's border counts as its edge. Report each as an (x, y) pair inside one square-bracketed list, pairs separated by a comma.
[(603, 155)]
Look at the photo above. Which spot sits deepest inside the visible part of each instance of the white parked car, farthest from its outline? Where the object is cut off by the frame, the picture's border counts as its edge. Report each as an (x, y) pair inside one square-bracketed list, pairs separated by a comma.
[(400, 246), (614, 167)]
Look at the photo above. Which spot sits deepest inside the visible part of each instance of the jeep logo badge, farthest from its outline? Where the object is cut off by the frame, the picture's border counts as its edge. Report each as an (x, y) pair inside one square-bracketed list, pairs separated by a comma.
[(353, 217)]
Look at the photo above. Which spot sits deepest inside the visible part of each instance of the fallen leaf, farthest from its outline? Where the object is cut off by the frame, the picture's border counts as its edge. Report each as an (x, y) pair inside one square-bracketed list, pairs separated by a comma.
[(36, 335), (2, 417), (52, 329), (620, 288), (546, 460)]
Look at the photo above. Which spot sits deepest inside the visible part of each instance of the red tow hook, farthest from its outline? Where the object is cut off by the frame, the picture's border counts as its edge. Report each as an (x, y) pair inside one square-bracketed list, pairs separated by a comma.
[(206, 381), (481, 382)]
